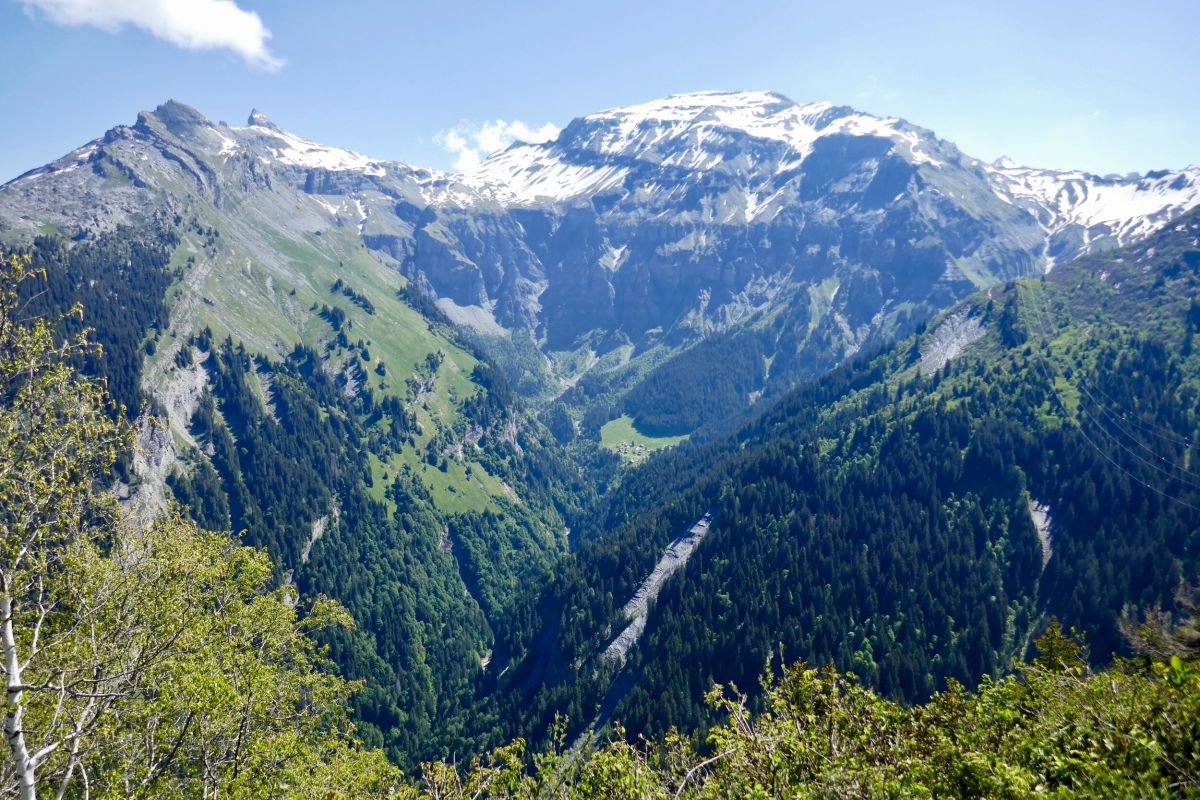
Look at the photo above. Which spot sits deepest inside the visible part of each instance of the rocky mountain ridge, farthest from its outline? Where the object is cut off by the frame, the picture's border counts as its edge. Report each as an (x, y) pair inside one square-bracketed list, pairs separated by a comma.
[(641, 231)]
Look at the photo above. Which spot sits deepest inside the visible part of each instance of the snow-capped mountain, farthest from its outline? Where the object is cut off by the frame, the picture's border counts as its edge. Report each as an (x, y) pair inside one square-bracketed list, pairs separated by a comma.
[(106, 181), (1075, 208), (732, 132), (708, 206), (763, 135), (638, 231)]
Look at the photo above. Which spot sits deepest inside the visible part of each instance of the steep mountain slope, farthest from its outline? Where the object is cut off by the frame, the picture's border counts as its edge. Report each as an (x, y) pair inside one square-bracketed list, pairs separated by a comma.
[(290, 310), (914, 516), (263, 256), (810, 230), (304, 398), (805, 231)]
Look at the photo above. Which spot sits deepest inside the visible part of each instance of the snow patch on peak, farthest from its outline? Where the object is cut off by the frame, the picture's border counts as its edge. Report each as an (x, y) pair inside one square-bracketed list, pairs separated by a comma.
[(705, 116), (288, 148), (524, 174), (1129, 208), (763, 132), (229, 145), (690, 105)]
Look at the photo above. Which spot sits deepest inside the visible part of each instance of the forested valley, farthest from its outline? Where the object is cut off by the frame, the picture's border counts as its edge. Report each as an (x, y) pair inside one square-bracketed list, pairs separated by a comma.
[(887, 519), (364, 564), (877, 521), (170, 661)]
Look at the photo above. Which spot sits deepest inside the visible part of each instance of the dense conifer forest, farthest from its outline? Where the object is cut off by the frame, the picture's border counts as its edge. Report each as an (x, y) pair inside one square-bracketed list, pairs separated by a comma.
[(912, 521), (879, 519), (271, 465)]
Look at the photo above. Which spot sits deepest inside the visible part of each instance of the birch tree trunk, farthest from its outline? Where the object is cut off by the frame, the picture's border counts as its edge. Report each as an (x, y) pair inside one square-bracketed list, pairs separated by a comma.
[(14, 709)]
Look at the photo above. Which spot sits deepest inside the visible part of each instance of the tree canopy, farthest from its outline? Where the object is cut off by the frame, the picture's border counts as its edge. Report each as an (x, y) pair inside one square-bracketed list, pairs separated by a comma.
[(143, 661)]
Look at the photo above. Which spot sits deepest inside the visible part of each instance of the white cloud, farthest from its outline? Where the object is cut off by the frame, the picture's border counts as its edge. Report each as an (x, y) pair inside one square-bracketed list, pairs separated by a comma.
[(191, 24), (471, 144)]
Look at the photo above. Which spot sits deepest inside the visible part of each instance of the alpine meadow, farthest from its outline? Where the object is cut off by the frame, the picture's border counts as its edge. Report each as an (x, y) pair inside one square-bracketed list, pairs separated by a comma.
[(714, 445)]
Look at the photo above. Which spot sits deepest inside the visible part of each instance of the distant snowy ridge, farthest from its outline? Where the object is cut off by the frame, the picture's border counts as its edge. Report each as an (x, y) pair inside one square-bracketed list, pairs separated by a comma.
[(287, 148), (1129, 207), (761, 138), (758, 140), (685, 131)]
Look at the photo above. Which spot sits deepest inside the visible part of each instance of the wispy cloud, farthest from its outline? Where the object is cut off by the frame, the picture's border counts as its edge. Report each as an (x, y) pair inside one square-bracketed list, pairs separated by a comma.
[(191, 24), (471, 143)]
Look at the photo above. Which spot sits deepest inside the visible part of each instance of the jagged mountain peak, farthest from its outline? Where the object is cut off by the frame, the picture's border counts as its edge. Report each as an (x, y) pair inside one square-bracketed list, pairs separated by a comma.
[(261, 120), (261, 136), (276, 144), (175, 111), (174, 150)]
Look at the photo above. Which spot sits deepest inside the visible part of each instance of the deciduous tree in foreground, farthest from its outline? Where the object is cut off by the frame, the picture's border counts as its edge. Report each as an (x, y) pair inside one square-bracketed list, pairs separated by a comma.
[(143, 661)]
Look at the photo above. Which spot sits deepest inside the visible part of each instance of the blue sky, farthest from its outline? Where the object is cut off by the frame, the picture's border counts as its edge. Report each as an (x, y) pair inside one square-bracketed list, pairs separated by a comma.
[(1103, 86)]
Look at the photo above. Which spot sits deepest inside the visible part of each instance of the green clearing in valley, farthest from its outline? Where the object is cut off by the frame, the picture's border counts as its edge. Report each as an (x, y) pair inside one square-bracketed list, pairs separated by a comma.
[(621, 436)]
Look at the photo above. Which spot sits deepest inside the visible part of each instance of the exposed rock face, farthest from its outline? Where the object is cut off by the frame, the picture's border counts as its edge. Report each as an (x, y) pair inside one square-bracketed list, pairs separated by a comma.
[(692, 215), (1039, 514), (950, 339), (638, 608), (655, 225), (153, 457)]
